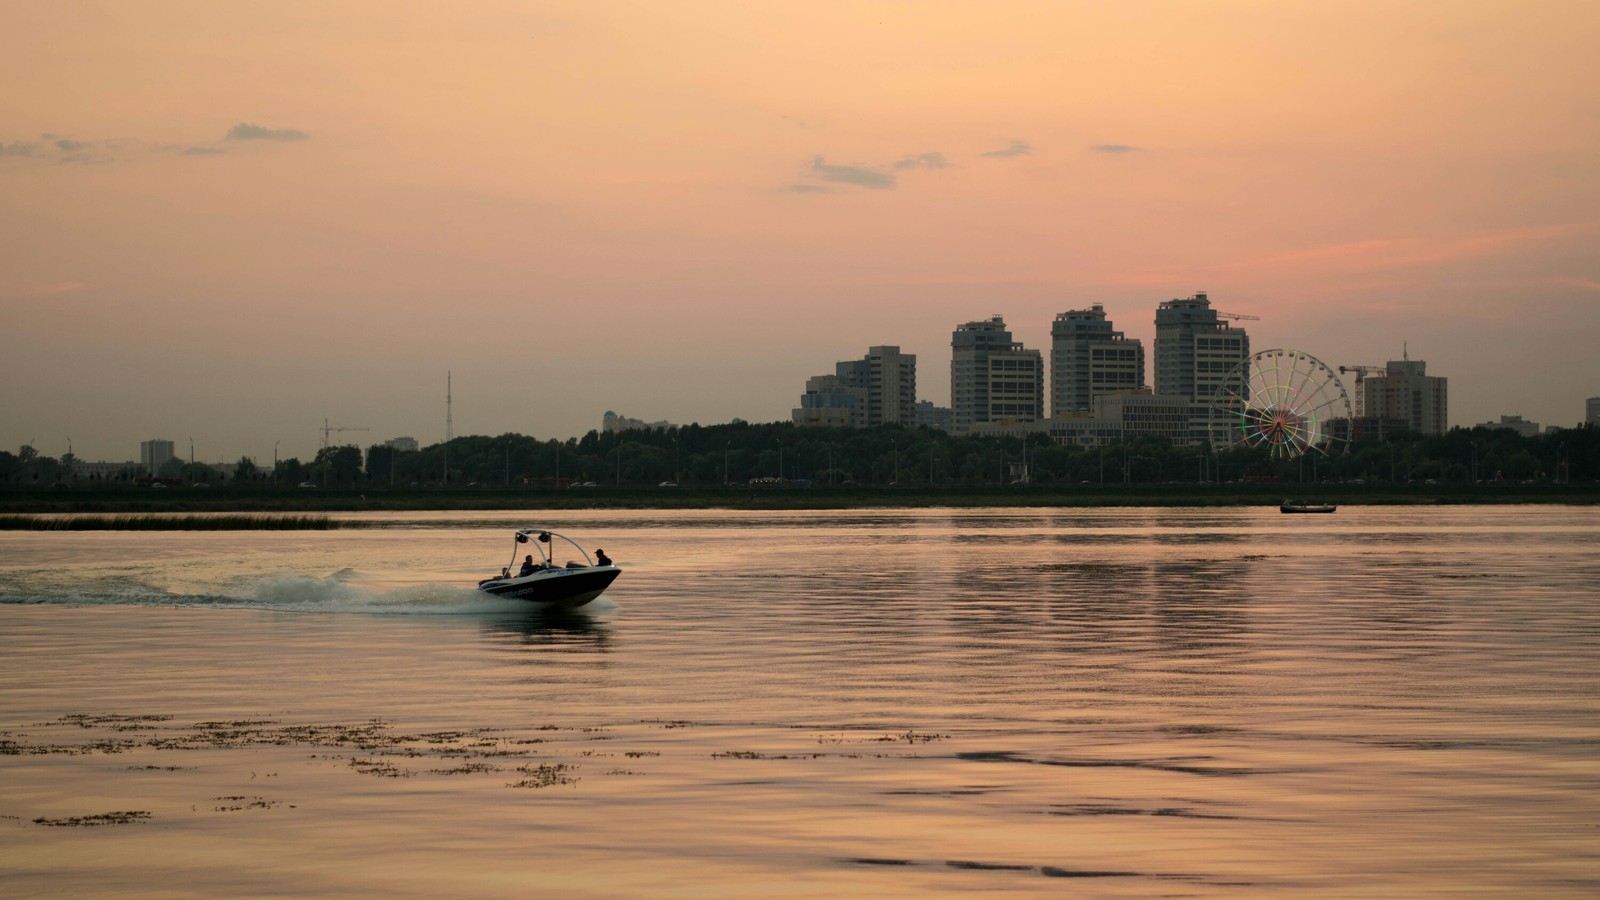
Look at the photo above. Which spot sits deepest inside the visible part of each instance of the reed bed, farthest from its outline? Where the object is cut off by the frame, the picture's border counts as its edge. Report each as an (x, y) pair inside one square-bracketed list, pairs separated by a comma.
[(171, 523)]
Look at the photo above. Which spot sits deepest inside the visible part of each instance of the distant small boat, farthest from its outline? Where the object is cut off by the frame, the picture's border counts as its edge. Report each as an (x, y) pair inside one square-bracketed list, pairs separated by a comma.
[(1300, 506), (568, 586)]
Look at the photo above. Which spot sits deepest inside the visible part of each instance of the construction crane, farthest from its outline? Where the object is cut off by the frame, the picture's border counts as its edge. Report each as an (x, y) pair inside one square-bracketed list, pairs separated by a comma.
[(1226, 315), (1361, 373), (329, 429)]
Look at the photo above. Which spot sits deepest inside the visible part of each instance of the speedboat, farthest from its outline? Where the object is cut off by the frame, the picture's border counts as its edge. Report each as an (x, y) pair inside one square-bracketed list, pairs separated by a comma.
[(568, 586), (1300, 506)]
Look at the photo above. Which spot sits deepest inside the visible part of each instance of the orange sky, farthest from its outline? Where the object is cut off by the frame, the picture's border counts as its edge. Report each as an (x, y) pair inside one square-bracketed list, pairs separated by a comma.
[(229, 221)]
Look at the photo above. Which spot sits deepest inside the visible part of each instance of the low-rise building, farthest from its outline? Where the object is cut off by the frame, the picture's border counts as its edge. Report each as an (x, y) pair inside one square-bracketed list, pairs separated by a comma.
[(1514, 423), (614, 423), (1114, 418), (931, 416)]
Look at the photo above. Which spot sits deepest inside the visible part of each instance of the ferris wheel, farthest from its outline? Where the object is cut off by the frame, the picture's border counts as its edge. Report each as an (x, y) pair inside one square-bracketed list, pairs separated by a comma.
[(1283, 400)]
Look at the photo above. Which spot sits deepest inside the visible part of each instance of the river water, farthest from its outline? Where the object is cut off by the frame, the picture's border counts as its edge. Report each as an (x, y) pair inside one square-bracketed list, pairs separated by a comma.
[(1136, 702)]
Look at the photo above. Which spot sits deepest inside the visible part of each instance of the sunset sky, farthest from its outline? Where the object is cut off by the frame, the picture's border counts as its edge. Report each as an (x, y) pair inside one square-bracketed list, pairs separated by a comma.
[(227, 221)]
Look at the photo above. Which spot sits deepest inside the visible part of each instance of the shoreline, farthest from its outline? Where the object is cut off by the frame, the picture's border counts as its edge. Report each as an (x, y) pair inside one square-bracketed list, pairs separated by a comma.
[(299, 501)]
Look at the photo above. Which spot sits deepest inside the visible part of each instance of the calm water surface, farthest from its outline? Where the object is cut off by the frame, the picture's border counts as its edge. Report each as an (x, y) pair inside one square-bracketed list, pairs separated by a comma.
[(1383, 702)]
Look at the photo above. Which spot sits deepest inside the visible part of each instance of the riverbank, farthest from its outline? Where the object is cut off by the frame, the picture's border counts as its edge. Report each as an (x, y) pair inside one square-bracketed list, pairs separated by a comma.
[(306, 500)]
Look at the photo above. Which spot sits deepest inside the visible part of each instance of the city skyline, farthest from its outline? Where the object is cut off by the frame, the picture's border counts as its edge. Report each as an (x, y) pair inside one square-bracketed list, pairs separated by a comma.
[(233, 223)]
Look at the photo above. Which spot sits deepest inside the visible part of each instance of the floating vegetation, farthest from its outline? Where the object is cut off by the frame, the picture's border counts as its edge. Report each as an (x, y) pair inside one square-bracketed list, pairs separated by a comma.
[(1085, 568), (545, 775), (375, 747), (909, 736), (174, 523), (111, 818), (13, 748), (466, 769), (238, 802), (119, 723), (379, 767), (916, 737)]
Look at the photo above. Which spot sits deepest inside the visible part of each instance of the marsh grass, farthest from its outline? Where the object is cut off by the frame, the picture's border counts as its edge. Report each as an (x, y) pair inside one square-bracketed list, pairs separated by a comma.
[(173, 523)]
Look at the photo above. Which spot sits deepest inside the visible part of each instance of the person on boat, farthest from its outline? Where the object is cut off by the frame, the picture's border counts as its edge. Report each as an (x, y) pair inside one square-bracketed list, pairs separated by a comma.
[(601, 557), (528, 567)]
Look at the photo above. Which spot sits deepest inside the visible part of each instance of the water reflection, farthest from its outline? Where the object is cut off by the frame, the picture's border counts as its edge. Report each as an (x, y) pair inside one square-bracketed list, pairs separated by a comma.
[(571, 629)]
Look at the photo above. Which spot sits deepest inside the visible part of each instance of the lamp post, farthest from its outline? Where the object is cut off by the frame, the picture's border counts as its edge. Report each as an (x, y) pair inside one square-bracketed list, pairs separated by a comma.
[(275, 462), (726, 445), (677, 471), (894, 455), (780, 459)]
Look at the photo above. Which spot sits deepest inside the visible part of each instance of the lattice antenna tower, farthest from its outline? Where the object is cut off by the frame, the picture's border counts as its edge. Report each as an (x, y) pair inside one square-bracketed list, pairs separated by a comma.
[(449, 424)]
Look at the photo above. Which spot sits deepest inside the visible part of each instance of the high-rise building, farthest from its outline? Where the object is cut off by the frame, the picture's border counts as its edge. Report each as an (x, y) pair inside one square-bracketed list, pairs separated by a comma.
[(992, 377), (1089, 358), (1406, 392), (154, 454), (891, 387), (1195, 349), (1591, 411), (878, 389), (832, 401)]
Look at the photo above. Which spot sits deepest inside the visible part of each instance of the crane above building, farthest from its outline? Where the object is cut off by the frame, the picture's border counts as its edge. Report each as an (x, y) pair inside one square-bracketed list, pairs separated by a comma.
[(328, 429), (1228, 315), (1361, 373)]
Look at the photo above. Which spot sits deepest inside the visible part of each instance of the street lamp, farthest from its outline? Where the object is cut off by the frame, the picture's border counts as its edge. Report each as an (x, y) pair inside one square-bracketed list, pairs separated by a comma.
[(780, 459), (726, 445)]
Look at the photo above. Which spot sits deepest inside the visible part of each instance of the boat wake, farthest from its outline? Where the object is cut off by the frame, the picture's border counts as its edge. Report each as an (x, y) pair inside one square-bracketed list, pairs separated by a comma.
[(281, 592)]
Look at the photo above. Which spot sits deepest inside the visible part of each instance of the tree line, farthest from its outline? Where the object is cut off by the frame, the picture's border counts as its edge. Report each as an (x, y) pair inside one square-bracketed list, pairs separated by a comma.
[(742, 453)]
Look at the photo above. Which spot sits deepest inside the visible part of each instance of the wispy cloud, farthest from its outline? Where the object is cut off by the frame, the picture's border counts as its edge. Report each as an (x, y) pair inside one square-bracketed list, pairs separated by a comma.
[(1017, 148), (1114, 149), (66, 149), (1587, 284), (15, 290), (808, 189), (246, 131), (1369, 257), (861, 176), (923, 161)]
